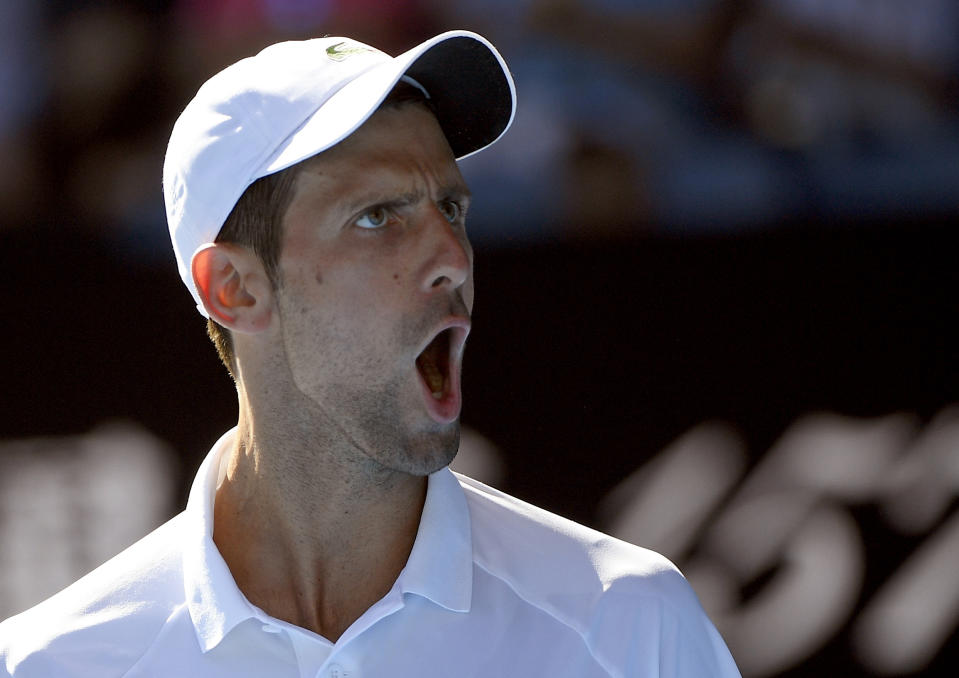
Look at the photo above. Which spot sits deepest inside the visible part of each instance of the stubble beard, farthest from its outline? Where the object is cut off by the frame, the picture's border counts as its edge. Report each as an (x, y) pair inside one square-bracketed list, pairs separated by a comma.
[(385, 431), (389, 444)]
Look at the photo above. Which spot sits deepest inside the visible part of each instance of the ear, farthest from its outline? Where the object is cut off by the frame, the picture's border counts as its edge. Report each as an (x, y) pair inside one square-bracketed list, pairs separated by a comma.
[(233, 286)]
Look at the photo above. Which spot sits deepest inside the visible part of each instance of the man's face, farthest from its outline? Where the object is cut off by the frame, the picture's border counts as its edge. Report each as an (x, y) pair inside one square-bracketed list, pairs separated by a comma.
[(376, 289)]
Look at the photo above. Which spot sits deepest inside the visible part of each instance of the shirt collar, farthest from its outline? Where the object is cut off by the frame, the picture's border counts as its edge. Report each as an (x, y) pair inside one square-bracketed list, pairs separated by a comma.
[(215, 602), (440, 566)]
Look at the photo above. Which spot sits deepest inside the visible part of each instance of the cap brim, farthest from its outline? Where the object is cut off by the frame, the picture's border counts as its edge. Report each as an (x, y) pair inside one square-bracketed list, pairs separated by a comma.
[(467, 81)]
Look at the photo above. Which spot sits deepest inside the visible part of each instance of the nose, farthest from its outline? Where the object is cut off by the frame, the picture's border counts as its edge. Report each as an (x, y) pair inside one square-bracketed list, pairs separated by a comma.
[(449, 259)]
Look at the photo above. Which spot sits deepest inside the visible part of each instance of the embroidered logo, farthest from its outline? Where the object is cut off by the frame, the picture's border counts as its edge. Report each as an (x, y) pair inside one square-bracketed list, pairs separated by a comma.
[(342, 50)]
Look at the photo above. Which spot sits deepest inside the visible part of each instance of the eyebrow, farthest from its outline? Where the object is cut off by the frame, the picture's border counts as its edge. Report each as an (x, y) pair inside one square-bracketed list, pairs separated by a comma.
[(454, 191), (375, 198), (458, 190)]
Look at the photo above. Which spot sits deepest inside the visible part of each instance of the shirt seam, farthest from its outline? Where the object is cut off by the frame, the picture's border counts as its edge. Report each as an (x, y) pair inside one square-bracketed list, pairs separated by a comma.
[(153, 642), (599, 660)]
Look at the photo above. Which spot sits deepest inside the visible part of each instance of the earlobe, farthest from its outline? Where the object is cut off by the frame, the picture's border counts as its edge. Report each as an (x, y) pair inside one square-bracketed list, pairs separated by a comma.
[(228, 278)]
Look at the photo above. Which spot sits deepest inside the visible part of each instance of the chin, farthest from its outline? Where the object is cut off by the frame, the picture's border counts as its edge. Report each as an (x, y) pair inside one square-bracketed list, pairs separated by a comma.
[(428, 452), (399, 439)]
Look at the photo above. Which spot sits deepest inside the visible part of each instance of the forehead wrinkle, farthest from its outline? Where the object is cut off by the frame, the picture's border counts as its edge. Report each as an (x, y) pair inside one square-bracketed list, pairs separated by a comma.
[(387, 185), (374, 197), (363, 172)]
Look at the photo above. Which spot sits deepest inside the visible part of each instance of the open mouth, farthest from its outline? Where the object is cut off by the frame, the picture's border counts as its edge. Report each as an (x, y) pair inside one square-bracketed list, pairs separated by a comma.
[(434, 364), (438, 366)]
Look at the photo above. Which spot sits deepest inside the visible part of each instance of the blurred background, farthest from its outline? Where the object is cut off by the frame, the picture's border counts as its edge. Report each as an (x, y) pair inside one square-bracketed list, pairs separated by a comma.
[(716, 310)]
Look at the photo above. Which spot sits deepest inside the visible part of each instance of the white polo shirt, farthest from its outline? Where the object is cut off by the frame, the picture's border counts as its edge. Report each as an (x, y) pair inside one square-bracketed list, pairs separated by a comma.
[(493, 587)]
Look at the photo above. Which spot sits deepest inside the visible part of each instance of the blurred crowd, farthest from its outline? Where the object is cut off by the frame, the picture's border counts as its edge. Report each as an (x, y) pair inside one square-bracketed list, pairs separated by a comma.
[(634, 115)]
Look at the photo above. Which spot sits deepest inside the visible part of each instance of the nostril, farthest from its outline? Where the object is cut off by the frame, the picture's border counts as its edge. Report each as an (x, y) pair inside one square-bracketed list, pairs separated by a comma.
[(442, 280)]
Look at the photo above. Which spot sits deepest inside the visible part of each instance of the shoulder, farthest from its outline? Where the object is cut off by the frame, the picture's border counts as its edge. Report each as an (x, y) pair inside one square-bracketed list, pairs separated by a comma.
[(103, 622), (519, 540), (629, 604)]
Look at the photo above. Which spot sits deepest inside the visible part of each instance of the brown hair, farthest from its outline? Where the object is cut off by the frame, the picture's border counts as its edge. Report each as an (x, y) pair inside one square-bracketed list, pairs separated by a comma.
[(256, 220)]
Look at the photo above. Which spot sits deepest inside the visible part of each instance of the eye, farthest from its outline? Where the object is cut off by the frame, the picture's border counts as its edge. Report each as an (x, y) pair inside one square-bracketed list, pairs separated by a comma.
[(376, 217), (451, 210)]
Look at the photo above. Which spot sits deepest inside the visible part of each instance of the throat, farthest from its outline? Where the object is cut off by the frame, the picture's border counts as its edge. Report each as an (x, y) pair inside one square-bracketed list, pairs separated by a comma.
[(319, 574), (433, 364), (432, 375)]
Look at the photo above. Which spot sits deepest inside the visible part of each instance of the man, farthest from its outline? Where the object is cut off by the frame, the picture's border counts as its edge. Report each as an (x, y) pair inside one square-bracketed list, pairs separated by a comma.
[(318, 218)]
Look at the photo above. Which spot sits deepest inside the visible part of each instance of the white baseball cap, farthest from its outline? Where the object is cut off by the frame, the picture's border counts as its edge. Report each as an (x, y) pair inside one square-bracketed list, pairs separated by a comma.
[(295, 99)]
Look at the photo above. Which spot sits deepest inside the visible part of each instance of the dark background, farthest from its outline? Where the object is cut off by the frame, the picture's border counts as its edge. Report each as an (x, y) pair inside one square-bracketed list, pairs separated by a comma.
[(585, 356)]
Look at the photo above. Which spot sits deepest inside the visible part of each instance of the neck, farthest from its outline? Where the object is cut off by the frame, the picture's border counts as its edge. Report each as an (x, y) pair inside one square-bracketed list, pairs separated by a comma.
[(312, 534)]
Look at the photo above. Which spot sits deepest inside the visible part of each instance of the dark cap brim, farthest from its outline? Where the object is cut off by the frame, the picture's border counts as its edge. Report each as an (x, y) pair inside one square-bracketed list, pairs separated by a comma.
[(472, 93)]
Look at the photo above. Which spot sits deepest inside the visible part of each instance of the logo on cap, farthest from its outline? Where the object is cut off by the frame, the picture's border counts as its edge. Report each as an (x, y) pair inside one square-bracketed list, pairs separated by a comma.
[(342, 50)]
